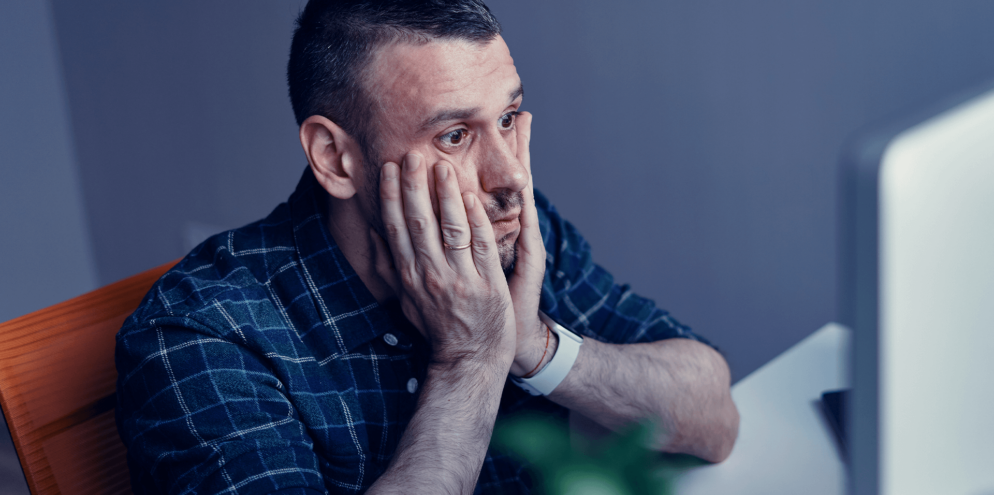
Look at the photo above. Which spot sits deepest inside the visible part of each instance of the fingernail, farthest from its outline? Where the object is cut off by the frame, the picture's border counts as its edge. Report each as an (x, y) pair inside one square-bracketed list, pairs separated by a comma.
[(411, 162), (442, 172), (389, 171), (469, 199)]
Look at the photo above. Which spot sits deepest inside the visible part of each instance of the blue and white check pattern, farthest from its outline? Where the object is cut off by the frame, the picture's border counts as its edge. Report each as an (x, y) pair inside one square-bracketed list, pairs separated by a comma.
[(262, 364)]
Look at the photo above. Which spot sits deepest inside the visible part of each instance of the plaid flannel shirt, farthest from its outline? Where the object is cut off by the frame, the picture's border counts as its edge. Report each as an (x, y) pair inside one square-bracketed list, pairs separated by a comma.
[(262, 364)]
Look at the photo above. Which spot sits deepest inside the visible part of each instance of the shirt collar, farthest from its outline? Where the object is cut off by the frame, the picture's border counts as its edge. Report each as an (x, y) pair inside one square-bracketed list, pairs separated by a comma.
[(347, 308)]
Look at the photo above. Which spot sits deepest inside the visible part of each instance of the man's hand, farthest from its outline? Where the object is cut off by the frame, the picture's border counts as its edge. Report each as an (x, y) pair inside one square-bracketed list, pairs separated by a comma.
[(525, 284), (416, 257), (457, 297)]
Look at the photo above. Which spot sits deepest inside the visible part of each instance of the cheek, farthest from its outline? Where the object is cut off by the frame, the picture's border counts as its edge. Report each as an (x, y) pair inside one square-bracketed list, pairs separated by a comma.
[(468, 177)]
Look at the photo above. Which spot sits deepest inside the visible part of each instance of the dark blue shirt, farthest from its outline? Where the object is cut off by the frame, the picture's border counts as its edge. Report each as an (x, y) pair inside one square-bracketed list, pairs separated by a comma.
[(261, 363)]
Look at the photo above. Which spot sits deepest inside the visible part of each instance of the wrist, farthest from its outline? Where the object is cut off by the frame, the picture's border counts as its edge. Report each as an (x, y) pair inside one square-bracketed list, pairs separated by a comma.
[(548, 378), (536, 352), (489, 349), (468, 364)]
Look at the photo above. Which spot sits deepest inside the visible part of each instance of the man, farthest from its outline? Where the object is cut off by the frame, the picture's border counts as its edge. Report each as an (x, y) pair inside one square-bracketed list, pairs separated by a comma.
[(366, 335)]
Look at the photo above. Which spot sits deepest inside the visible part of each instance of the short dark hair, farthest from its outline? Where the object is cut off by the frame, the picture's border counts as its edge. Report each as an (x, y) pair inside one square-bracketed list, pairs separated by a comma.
[(334, 40)]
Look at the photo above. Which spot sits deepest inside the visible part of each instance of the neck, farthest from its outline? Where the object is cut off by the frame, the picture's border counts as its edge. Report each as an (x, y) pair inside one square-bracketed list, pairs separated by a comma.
[(351, 232)]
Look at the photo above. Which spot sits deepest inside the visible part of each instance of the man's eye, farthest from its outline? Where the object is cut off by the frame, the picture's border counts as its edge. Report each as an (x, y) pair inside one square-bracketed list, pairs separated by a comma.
[(507, 120), (454, 138)]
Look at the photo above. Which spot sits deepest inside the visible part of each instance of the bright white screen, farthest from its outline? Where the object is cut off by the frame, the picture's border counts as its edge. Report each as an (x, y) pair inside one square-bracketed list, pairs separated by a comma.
[(937, 305)]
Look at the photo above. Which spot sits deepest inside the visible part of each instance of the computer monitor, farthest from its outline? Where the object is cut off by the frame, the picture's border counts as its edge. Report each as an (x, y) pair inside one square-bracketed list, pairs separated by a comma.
[(918, 264)]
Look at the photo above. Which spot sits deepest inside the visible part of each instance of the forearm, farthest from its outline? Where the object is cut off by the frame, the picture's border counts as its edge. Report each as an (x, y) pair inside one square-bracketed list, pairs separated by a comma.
[(445, 443), (681, 383)]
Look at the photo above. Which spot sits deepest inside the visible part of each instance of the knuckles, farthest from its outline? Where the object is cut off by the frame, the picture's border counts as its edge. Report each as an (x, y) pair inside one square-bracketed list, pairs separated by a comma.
[(477, 222), (409, 277), (481, 246), (417, 225), (461, 290), (411, 187), (452, 234), (392, 231), (434, 283)]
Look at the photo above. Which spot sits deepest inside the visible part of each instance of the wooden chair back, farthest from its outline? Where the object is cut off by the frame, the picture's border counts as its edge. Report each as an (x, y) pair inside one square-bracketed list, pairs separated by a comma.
[(57, 383)]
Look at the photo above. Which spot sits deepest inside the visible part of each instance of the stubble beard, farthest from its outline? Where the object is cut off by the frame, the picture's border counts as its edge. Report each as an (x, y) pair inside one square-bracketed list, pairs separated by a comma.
[(507, 246)]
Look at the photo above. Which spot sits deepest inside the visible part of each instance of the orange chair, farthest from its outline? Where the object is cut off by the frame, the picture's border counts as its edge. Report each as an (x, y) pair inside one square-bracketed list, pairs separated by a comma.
[(57, 382)]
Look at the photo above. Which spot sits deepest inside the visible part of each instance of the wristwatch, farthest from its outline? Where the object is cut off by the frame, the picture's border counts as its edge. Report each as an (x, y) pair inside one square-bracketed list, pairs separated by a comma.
[(549, 377)]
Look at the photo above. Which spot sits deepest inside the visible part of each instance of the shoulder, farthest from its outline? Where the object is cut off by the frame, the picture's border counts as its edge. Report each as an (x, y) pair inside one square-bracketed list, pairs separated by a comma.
[(547, 213), (228, 269), (567, 252)]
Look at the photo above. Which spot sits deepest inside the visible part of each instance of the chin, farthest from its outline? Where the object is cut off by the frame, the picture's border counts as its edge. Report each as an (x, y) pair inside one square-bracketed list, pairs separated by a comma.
[(507, 249)]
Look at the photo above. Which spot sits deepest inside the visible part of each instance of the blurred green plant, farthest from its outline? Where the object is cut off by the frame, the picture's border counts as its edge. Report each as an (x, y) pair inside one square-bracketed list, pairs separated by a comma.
[(618, 465)]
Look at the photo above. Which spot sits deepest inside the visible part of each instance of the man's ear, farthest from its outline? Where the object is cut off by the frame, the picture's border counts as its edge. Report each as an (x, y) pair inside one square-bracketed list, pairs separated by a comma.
[(334, 156)]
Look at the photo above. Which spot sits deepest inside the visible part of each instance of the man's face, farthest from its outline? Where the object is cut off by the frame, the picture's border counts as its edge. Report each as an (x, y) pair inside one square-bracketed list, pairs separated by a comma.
[(452, 100)]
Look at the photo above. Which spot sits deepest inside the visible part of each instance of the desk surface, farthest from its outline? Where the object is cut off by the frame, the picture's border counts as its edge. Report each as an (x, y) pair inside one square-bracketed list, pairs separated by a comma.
[(784, 445)]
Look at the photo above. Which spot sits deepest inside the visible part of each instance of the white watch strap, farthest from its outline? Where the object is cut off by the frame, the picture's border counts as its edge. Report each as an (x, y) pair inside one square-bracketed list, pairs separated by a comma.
[(549, 377)]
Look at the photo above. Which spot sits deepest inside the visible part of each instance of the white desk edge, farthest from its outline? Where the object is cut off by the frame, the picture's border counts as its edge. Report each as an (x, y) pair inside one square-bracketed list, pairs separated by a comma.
[(784, 445)]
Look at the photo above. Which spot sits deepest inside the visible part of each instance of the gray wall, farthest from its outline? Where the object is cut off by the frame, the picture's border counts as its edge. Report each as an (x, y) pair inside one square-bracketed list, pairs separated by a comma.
[(181, 118), (45, 251), (694, 143)]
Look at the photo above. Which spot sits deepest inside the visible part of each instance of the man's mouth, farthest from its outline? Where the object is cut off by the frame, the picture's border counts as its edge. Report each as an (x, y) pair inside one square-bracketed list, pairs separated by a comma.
[(504, 206), (503, 212), (506, 224), (510, 217)]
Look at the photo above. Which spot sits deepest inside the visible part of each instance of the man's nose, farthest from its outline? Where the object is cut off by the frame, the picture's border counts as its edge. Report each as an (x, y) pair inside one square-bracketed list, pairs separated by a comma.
[(499, 168)]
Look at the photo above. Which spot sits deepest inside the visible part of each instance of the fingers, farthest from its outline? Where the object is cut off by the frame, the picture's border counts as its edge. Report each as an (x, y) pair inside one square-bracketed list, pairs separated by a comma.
[(383, 262), (413, 233), (418, 213), (392, 210), (455, 227), (531, 249), (523, 126), (524, 130), (484, 245)]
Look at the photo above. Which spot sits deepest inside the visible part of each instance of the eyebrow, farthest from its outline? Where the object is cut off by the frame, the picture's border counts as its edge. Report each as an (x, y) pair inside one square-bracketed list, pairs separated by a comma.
[(519, 91), (462, 113)]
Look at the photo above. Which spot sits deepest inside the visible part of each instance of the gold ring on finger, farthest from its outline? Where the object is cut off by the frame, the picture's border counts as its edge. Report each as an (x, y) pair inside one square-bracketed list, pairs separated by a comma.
[(456, 248)]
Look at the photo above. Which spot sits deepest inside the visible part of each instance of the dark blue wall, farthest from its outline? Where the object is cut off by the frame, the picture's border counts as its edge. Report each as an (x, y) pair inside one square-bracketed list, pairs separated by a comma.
[(45, 249), (694, 142)]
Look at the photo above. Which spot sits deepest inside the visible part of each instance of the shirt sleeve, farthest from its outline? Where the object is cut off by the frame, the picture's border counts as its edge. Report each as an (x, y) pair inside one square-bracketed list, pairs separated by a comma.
[(584, 297), (200, 413)]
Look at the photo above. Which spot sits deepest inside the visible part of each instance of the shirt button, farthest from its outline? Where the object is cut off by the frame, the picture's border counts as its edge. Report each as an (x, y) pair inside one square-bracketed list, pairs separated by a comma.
[(412, 385), (390, 339)]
